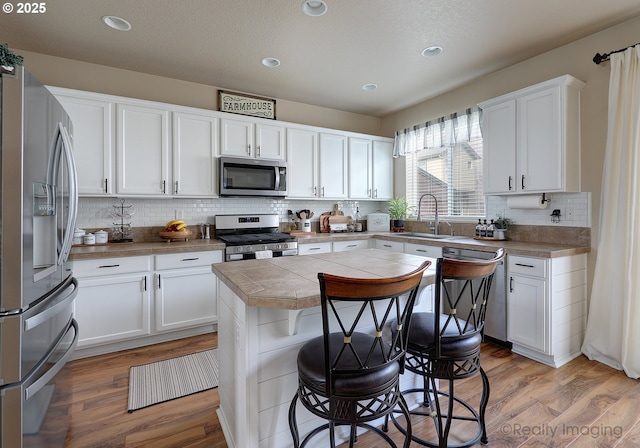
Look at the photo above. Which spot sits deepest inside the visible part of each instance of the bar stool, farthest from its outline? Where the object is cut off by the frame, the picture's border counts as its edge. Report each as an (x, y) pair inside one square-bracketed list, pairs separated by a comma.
[(445, 345), (350, 374)]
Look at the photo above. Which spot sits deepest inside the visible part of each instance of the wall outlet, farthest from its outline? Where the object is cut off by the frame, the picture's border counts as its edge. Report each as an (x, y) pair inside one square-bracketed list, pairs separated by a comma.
[(569, 214), (179, 214)]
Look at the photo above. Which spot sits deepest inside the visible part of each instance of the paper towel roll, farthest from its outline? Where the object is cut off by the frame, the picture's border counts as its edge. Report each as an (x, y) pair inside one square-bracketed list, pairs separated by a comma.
[(531, 201)]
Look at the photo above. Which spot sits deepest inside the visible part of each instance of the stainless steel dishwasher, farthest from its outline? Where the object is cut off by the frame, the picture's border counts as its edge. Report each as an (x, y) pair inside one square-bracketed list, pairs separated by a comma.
[(495, 325)]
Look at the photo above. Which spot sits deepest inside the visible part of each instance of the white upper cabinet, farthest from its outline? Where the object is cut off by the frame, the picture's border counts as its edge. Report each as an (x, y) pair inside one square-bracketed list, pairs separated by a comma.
[(532, 139), (370, 168), (302, 162), (143, 150), (195, 139), (244, 138), (333, 166), (93, 140), (360, 168)]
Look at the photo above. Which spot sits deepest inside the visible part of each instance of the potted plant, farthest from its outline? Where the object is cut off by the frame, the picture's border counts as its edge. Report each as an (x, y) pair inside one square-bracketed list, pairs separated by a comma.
[(502, 223), (398, 208), (8, 60)]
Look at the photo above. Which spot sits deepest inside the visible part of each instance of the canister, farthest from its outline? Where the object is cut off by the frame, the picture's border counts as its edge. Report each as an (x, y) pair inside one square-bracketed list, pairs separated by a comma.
[(77, 236), (89, 238), (102, 237)]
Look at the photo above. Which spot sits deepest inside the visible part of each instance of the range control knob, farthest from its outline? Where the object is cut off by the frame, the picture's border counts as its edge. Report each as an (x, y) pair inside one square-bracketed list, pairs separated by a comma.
[(279, 246)]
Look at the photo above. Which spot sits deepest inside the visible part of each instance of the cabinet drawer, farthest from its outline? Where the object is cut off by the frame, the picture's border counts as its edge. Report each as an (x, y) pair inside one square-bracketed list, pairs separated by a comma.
[(423, 250), (342, 246), (534, 267), (393, 246), (317, 248), (187, 259), (110, 266)]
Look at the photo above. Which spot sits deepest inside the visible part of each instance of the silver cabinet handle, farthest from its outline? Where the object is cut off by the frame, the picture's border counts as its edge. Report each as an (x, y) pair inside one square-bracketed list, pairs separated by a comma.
[(249, 149), (258, 151), (176, 187), (190, 259)]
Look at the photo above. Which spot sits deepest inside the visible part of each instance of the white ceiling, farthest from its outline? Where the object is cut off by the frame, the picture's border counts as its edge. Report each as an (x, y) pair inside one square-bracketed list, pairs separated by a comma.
[(326, 59)]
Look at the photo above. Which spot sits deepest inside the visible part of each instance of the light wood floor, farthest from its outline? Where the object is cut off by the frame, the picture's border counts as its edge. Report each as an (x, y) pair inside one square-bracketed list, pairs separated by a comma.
[(581, 404)]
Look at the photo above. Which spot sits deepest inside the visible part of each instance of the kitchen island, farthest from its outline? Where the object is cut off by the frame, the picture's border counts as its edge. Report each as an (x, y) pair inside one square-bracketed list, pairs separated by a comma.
[(268, 309)]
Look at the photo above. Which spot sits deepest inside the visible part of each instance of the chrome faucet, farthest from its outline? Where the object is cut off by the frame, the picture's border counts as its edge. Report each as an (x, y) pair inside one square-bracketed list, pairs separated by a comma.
[(436, 224)]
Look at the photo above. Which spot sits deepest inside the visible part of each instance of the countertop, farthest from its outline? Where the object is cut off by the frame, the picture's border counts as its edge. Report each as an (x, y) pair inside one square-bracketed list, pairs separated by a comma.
[(149, 248), (544, 250), (292, 282)]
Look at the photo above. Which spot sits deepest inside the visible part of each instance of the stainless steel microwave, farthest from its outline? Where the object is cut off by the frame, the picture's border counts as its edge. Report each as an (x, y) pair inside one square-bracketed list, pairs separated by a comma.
[(252, 177)]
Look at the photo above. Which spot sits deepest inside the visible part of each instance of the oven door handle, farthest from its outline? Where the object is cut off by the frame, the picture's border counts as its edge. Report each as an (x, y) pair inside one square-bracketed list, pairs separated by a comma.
[(44, 310), (38, 384)]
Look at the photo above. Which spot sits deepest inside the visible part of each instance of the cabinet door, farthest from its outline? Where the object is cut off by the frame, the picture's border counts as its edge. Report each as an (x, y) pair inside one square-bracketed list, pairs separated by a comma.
[(93, 143), (499, 143), (360, 165), (270, 141), (236, 137), (333, 166), (540, 153), (382, 169), (195, 140), (302, 153), (185, 298), (113, 308), (143, 150), (526, 311)]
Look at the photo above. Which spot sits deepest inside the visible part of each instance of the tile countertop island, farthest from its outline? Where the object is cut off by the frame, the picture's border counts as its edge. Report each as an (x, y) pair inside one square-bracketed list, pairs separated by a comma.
[(268, 310)]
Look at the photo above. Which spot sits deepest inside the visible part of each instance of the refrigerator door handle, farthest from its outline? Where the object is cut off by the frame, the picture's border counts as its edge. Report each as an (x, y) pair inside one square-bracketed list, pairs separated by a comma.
[(38, 384), (39, 315), (73, 195)]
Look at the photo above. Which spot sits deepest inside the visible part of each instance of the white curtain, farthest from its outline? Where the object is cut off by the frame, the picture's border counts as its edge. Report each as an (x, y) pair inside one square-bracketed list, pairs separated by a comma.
[(613, 327), (440, 133)]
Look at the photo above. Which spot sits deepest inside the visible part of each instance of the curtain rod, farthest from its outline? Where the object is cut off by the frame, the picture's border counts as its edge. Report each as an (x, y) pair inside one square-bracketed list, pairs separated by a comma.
[(598, 58)]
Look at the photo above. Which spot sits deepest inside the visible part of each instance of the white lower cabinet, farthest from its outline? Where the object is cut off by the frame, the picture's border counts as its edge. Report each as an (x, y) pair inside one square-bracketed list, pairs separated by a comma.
[(127, 302), (186, 291), (546, 307), (314, 248), (113, 301), (392, 246), (343, 246)]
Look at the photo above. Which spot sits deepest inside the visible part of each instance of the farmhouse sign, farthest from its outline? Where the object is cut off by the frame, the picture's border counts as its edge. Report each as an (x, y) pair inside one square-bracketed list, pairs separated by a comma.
[(238, 103)]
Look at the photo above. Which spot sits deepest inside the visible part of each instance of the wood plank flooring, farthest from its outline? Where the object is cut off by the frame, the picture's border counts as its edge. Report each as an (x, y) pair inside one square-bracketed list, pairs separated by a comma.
[(581, 404)]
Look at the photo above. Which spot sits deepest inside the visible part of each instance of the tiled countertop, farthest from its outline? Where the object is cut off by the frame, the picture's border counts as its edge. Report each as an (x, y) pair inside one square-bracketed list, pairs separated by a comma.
[(292, 282), (544, 250), (148, 248)]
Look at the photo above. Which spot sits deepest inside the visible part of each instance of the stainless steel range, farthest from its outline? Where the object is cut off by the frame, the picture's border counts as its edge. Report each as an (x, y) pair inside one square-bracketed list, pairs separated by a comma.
[(251, 236)]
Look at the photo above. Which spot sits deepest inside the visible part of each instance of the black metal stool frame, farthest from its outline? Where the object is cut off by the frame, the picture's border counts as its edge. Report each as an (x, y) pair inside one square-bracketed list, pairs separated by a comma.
[(453, 352), (357, 380)]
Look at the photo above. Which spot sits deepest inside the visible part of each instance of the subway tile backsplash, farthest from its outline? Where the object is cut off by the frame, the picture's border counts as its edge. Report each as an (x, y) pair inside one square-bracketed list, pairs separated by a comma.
[(96, 213), (575, 210)]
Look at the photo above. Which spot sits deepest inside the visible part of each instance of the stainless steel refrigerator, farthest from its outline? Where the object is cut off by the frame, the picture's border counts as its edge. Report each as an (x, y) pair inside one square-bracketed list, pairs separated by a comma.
[(37, 289)]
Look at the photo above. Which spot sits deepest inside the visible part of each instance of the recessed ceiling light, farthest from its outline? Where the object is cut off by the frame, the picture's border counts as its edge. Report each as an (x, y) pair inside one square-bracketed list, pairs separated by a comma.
[(369, 87), (270, 62), (314, 7), (116, 23), (432, 51)]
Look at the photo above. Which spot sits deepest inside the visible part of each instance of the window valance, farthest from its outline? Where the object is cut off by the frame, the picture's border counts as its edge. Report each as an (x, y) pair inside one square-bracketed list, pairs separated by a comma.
[(444, 132)]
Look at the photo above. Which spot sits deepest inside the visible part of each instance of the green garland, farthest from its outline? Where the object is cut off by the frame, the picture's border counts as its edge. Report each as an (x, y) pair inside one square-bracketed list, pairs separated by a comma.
[(8, 58)]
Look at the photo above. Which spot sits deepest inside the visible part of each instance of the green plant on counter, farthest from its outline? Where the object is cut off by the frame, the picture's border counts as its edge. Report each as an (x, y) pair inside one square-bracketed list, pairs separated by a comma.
[(502, 222), (8, 58), (398, 208)]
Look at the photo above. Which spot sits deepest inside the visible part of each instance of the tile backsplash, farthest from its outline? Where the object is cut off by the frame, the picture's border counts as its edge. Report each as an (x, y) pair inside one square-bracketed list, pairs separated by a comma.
[(94, 213), (575, 210)]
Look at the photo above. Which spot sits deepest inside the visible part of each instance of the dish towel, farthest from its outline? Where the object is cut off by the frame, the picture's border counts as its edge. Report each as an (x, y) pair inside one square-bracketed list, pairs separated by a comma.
[(262, 254)]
